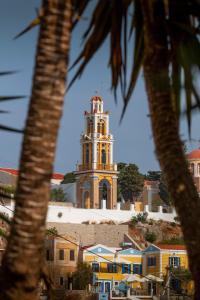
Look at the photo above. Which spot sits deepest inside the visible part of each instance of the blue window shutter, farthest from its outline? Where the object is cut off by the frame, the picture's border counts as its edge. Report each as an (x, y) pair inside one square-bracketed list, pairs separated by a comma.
[(122, 268), (134, 269), (140, 269), (129, 269)]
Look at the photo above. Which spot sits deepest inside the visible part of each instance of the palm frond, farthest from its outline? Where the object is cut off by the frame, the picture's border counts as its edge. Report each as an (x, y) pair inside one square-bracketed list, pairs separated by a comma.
[(79, 8), (3, 73), (37, 21), (100, 30), (182, 21), (11, 129), (185, 59), (7, 98), (5, 218), (4, 111), (138, 47)]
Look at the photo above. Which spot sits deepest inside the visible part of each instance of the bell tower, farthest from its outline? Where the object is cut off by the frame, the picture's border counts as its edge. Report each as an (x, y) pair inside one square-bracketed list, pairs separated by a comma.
[(96, 176)]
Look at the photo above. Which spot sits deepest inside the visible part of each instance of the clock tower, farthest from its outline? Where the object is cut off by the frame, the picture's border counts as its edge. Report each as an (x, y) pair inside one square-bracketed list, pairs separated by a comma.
[(96, 176)]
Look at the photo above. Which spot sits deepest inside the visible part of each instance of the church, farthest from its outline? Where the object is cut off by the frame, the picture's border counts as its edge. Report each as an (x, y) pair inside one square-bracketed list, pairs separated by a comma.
[(96, 175)]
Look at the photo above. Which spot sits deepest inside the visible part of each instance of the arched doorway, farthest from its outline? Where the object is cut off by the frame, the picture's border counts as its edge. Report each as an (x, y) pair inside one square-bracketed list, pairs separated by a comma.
[(105, 192), (86, 199)]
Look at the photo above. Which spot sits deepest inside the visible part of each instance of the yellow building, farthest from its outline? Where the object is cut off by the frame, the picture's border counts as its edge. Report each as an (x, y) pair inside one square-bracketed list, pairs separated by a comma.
[(112, 265), (96, 176), (61, 259), (164, 260)]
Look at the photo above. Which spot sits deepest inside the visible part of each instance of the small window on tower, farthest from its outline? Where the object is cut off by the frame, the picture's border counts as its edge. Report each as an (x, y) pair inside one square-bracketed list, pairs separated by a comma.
[(103, 156), (87, 159)]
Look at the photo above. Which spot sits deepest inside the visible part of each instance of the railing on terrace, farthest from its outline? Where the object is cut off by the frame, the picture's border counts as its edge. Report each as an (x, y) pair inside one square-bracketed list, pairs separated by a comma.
[(106, 167)]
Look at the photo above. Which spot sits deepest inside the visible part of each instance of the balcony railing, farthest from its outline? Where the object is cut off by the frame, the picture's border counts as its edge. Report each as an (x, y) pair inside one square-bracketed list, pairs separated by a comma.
[(106, 167)]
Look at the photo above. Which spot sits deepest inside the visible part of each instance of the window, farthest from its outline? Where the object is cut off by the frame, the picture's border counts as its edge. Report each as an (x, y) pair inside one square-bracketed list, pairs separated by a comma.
[(151, 261), (103, 156), (137, 269), (174, 261), (71, 255), (192, 168), (112, 268), (126, 269), (95, 267), (87, 158), (48, 254), (61, 280), (61, 254)]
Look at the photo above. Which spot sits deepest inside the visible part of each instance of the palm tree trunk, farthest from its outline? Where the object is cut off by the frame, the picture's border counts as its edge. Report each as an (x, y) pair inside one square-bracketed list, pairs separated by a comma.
[(21, 264), (168, 145)]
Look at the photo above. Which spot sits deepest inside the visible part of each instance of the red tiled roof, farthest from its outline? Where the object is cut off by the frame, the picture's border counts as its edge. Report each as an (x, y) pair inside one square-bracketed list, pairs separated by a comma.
[(170, 247), (10, 171), (15, 172), (153, 183), (195, 154), (58, 176)]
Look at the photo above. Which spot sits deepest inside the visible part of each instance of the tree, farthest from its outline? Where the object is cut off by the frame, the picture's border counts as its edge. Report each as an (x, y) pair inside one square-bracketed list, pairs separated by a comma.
[(83, 276), (22, 262), (69, 178), (130, 181), (153, 175), (166, 45), (58, 195)]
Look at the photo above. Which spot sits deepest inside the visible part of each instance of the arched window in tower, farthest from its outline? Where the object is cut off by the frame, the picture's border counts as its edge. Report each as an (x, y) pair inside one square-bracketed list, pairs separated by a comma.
[(87, 155), (103, 156), (91, 126), (105, 191), (192, 168), (99, 127), (103, 127)]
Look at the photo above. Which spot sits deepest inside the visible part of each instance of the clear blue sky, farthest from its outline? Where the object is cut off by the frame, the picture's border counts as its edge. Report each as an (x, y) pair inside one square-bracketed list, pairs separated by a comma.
[(133, 137)]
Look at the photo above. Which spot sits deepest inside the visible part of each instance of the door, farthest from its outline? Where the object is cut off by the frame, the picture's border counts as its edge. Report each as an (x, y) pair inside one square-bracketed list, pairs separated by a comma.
[(107, 286)]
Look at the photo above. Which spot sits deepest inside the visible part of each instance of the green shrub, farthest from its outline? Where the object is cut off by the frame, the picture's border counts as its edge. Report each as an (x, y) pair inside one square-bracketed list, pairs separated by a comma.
[(174, 241), (141, 217), (150, 236)]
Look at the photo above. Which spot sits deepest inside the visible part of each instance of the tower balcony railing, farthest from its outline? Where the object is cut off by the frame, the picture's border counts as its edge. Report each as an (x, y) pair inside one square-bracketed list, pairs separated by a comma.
[(95, 166)]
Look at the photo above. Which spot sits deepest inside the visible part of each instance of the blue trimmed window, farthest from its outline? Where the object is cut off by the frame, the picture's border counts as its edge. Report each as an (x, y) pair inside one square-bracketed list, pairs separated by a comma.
[(112, 268), (174, 261), (95, 267), (137, 269), (126, 269), (151, 261)]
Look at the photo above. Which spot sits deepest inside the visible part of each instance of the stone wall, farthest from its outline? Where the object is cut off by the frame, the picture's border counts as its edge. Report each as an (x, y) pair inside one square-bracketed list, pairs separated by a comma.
[(90, 234)]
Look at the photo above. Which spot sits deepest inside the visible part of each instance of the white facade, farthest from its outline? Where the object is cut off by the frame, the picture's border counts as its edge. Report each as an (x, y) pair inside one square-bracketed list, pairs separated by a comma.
[(63, 214)]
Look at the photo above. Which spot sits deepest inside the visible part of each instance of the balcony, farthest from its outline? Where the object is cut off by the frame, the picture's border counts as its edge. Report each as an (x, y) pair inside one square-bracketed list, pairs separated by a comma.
[(94, 166)]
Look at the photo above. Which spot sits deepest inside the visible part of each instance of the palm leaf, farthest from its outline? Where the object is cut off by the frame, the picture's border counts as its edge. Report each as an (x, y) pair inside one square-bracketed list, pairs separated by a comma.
[(37, 21), (79, 8), (7, 98), (138, 46), (5, 218), (99, 33), (11, 129), (3, 73)]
